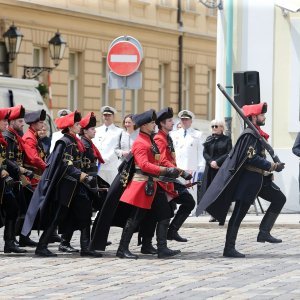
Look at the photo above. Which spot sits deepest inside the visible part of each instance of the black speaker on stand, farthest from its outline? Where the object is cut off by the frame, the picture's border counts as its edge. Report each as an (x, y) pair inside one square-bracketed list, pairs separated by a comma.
[(247, 92), (246, 88)]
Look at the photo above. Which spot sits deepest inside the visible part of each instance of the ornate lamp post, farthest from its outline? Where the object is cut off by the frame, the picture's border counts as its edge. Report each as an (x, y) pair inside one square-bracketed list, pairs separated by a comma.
[(12, 38), (56, 48)]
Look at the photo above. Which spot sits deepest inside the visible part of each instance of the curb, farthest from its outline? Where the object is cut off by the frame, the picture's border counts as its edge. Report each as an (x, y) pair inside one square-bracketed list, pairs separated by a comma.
[(207, 225)]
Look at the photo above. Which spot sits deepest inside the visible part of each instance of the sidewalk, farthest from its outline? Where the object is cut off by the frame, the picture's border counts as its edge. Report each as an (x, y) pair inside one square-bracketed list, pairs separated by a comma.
[(251, 220)]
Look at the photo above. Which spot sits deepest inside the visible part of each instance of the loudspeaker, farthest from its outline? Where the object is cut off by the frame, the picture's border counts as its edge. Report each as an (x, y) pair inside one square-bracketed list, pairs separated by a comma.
[(246, 88)]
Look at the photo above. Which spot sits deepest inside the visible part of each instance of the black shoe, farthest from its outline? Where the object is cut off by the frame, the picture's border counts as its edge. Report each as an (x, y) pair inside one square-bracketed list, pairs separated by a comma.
[(11, 247), (126, 254), (26, 241), (90, 253), (232, 252), (173, 235), (67, 248), (267, 237), (54, 238), (148, 249), (44, 252), (166, 252)]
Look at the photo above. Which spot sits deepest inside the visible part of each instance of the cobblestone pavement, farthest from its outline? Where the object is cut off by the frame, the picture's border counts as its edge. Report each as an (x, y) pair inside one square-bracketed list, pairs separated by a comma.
[(200, 272)]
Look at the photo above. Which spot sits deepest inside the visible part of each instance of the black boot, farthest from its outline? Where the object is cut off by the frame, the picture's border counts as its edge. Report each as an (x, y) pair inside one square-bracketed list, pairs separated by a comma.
[(26, 241), (229, 250), (85, 238), (128, 230), (175, 226), (161, 235), (65, 245), (54, 238), (147, 247), (265, 227), (9, 238), (42, 247)]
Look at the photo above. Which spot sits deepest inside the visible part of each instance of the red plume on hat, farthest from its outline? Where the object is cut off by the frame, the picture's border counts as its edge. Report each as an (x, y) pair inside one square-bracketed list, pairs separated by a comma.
[(88, 121), (68, 120), (255, 109), (4, 113), (16, 112)]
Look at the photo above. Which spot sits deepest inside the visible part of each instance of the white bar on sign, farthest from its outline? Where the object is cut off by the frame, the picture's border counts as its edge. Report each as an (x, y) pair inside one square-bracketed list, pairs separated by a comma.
[(123, 58)]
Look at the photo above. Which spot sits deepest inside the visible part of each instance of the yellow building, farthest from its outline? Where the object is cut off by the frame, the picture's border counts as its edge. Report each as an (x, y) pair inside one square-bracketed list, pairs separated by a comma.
[(89, 26)]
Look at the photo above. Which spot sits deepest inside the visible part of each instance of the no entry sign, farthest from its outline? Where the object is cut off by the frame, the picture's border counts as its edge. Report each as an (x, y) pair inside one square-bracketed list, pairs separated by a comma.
[(124, 58)]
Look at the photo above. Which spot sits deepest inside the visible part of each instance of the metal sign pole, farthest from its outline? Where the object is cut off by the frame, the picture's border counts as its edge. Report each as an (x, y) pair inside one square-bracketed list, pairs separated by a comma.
[(124, 97)]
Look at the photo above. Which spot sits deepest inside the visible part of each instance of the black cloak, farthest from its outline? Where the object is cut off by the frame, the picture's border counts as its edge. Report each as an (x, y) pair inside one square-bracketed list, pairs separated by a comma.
[(54, 188), (109, 215), (219, 195)]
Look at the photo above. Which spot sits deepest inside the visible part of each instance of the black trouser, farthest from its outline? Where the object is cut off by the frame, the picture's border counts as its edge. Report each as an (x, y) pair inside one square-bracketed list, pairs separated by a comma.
[(161, 209), (269, 192), (186, 201), (10, 206)]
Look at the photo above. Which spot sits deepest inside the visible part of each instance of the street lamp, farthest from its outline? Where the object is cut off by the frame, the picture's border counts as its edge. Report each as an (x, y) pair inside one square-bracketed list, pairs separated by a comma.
[(12, 38), (56, 48)]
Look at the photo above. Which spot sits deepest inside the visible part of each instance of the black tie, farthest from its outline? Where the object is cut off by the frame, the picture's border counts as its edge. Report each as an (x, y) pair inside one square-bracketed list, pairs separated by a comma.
[(184, 133)]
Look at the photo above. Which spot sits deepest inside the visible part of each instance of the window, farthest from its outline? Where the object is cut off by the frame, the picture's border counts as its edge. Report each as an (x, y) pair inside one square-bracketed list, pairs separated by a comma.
[(209, 94), (186, 87), (3, 59), (38, 59), (190, 5), (73, 81), (161, 87), (104, 82)]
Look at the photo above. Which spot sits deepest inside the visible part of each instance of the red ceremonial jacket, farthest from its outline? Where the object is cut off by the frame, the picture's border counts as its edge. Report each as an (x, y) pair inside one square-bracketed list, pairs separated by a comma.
[(34, 153), (144, 159), (167, 159)]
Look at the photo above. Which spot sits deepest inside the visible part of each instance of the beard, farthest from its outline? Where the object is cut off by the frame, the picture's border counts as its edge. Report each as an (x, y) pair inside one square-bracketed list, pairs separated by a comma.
[(260, 123)]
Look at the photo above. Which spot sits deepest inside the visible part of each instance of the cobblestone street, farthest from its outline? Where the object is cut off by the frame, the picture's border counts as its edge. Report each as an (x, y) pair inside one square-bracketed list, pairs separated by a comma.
[(200, 272)]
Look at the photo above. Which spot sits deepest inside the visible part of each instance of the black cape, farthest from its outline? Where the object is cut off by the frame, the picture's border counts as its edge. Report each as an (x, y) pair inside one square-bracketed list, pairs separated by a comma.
[(218, 197), (109, 215), (52, 187)]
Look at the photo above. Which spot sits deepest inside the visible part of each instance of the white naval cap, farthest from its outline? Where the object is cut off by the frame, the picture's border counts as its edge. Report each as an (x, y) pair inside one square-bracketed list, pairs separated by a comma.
[(186, 114), (63, 112), (108, 110)]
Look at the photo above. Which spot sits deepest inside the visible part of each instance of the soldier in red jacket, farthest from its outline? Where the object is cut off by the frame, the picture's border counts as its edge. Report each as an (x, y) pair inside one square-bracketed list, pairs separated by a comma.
[(143, 192), (9, 206), (34, 153), (164, 142), (15, 155)]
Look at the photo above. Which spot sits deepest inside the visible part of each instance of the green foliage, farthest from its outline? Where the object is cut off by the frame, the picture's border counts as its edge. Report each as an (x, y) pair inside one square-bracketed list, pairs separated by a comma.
[(43, 89)]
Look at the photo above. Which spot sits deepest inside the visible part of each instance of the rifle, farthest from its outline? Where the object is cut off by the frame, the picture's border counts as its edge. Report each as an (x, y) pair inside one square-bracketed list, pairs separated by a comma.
[(265, 144)]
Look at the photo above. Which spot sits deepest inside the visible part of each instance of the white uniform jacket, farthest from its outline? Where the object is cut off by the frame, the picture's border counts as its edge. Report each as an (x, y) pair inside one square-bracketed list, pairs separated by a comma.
[(106, 140)]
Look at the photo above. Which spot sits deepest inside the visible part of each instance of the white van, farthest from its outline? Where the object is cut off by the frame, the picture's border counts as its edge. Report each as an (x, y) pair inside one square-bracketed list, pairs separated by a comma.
[(14, 91)]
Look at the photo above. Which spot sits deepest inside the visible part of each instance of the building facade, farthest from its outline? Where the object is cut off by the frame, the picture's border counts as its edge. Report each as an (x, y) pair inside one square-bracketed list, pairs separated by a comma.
[(266, 39), (89, 26)]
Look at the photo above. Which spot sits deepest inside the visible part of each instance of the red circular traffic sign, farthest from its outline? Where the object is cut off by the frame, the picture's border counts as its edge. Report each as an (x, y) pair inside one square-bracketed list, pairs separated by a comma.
[(123, 58)]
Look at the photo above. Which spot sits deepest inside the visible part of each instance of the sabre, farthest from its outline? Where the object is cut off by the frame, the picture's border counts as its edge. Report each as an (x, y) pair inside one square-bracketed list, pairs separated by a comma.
[(265, 144)]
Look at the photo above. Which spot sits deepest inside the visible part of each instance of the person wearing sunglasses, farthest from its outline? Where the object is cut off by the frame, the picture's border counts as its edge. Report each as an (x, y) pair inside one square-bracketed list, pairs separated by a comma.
[(216, 148)]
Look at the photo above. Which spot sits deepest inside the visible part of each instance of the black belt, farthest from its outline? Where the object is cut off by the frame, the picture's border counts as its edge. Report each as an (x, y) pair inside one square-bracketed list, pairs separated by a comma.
[(159, 178)]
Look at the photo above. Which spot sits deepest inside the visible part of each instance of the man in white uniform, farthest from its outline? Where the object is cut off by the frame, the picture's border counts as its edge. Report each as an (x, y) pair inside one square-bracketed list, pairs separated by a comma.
[(106, 140), (188, 147)]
